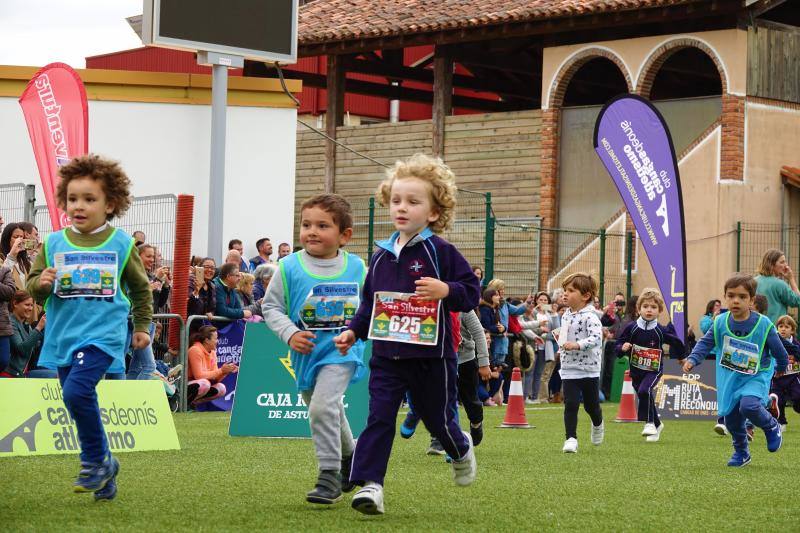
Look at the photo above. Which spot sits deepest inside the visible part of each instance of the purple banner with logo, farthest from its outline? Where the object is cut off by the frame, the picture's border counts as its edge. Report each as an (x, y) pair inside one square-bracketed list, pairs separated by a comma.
[(633, 141), (230, 340)]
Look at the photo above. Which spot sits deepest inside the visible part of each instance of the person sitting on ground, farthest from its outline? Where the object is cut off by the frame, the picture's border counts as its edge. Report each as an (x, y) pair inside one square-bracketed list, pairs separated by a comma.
[(205, 377), (284, 249), (14, 253), (263, 275), (264, 247), (229, 305), (27, 340), (236, 244)]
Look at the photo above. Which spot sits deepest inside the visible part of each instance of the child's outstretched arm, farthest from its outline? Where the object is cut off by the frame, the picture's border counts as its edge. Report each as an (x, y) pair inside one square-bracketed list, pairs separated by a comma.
[(273, 307), (359, 325), (677, 349), (623, 343), (700, 351)]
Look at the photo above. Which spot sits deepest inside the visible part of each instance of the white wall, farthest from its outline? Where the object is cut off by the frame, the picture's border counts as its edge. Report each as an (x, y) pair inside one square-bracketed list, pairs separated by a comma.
[(164, 148)]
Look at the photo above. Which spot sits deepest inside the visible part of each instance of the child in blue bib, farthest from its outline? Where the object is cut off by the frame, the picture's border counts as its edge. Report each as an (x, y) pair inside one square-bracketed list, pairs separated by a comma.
[(311, 301), (749, 352), (89, 282)]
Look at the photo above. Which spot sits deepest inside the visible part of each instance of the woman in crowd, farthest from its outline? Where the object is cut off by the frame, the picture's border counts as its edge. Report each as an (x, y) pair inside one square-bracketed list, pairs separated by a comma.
[(263, 274), (202, 292), (547, 322), (14, 255), (143, 362), (27, 340), (776, 281), (205, 377), (245, 288), (7, 289)]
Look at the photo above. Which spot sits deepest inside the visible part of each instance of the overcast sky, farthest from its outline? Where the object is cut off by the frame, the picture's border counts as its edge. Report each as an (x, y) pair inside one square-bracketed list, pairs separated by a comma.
[(38, 32)]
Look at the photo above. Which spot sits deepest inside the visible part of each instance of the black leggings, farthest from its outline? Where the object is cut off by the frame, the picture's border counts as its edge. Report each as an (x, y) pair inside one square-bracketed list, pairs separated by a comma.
[(573, 388), (468, 390)]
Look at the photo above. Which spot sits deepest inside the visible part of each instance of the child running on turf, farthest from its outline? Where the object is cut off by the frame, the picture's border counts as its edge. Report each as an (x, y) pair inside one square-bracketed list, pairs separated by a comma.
[(580, 340), (747, 343), (787, 387), (307, 305), (415, 273), (643, 341), (82, 277)]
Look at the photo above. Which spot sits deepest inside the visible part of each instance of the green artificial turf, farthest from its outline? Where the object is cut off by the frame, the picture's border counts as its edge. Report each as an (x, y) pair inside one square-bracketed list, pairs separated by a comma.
[(219, 483)]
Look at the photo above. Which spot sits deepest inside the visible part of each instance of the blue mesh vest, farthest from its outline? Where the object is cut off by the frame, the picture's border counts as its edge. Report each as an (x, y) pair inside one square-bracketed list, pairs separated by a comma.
[(88, 306), (304, 292)]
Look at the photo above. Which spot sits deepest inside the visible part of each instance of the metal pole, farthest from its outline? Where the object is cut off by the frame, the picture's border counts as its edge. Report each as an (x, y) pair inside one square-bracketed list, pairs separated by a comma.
[(602, 266), (371, 231), (216, 199), (629, 260), (739, 246), (489, 236), (30, 204)]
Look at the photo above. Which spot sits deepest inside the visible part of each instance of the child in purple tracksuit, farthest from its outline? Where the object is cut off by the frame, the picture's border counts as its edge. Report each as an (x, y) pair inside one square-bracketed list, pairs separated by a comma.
[(643, 341), (414, 264), (787, 387)]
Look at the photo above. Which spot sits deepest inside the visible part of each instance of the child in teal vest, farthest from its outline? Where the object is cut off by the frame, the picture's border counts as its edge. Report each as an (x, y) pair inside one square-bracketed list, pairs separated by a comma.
[(307, 305), (89, 282), (746, 343)]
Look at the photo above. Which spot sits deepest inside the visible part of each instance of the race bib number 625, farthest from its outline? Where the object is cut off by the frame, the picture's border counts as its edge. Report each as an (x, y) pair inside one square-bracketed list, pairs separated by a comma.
[(404, 317)]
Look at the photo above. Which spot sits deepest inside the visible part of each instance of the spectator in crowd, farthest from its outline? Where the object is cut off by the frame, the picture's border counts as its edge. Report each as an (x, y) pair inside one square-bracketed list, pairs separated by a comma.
[(139, 238), (611, 320), (7, 289), (488, 312), (197, 261), (478, 271), (776, 282), (14, 253), (263, 275), (236, 244), (203, 290), (264, 247), (229, 305), (233, 257), (712, 310), (205, 377), (284, 249), (547, 321), (245, 288), (27, 340), (500, 343), (143, 362), (32, 243)]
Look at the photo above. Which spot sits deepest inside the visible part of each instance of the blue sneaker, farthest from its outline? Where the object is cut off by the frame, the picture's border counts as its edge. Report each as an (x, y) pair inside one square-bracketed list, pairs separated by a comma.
[(109, 492), (94, 476), (739, 459), (409, 426), (774, 437)]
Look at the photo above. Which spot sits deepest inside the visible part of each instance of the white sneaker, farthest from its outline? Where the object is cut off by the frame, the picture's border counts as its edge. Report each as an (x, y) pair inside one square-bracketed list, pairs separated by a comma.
[(657, 435), (570, 445), (649, 429), (598, 433), (783, 428), (464, 470), (528, 401), (369, 500), (720, 430)]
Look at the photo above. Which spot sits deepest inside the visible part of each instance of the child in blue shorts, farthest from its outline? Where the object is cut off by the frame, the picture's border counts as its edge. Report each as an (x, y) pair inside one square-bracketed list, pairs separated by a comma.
[(90, 280), (747, 343)]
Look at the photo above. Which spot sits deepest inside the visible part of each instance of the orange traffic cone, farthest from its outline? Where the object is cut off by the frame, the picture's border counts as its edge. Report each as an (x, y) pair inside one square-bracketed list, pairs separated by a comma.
[(627, 402), (515, 412)]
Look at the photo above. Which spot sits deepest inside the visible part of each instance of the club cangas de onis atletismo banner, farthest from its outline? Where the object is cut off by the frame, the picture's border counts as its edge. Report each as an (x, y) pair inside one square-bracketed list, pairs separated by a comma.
[(633, 141)]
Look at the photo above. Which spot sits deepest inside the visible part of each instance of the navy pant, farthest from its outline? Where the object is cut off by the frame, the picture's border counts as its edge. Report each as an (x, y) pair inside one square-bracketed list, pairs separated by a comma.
[(432, 386), (78, 383), (644, 383), (749, 408), (787, 388)]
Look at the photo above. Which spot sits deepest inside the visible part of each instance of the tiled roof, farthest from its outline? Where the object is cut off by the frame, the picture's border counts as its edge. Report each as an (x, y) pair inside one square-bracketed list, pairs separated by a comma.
[(344, 20)]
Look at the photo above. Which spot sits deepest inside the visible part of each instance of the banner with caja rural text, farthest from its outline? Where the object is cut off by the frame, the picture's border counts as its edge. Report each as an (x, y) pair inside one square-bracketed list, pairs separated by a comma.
[(687, 396), (633, 141), (57, 116), (267, 402), (34, 420)]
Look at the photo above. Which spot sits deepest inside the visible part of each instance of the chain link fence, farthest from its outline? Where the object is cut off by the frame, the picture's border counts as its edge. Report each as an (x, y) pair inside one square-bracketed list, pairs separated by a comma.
[(753, 239), (153, 215), (16, 202)]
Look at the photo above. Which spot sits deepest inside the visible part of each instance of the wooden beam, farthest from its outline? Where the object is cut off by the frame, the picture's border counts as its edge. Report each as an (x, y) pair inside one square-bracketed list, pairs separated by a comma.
[(334, 116), (399, 72), (442, 95), (625, 23)]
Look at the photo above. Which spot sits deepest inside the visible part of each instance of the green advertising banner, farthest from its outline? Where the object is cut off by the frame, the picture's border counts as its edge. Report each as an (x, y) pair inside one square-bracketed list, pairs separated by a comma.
[(267, 402), (34, 421)]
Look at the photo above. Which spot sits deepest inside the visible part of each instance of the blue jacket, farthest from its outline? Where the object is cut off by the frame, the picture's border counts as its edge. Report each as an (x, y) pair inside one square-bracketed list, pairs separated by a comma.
[(425, 255), (229, 304)]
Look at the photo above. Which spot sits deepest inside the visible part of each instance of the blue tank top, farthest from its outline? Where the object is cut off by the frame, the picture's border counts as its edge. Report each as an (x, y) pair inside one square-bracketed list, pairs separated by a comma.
[(88, 306), (324, 305), (732, 385)]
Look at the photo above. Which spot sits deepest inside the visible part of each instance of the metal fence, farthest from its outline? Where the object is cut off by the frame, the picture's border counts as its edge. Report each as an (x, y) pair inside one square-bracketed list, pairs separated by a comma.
[(153, 215), (16, 202), (752, 240)]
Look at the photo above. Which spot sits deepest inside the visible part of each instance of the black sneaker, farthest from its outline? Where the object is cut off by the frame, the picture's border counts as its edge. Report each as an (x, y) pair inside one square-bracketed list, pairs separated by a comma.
[(328, 489), (476, 433), (109, 492), (347, 465), (436, 448)]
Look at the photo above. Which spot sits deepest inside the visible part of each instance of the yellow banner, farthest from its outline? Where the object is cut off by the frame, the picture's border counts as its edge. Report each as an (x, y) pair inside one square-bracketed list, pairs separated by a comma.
[(34, 420)]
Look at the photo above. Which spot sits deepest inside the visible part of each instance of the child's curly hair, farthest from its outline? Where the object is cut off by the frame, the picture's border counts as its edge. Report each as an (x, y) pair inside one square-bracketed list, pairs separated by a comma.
[(115, 183), (432, 170)]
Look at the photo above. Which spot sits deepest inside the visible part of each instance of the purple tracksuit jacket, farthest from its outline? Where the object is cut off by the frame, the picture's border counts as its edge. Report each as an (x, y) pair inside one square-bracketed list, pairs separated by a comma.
[(426, 255)]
